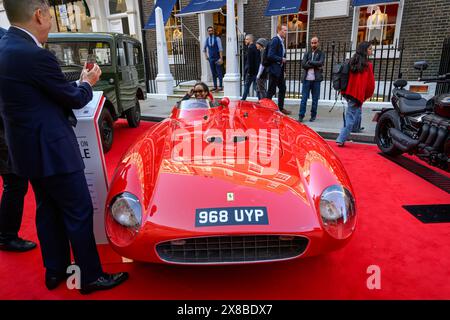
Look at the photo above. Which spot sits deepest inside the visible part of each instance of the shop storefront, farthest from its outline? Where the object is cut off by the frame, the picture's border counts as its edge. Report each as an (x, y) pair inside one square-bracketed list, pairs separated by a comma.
[(70, 16)]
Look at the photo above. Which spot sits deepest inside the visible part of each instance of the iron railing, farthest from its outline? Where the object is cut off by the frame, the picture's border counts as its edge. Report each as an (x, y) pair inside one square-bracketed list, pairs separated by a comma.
[(444, 67), (386, 60), (152, 71), (185, 60)]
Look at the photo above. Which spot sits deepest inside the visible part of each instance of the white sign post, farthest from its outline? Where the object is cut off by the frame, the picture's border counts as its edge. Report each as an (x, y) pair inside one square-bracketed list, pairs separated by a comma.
[(89, 141)]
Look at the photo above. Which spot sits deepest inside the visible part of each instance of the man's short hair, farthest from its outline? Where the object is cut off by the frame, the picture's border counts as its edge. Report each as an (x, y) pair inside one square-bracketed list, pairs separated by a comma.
[(20, 11), (210, 28), (251, 36), (281, 26)]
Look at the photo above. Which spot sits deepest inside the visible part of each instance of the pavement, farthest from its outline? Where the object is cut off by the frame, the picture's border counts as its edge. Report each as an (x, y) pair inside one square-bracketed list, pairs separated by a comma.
[(328, 123)]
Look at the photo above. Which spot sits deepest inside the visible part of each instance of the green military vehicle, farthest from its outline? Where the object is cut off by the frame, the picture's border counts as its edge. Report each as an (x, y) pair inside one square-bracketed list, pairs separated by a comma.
[(123, 74)]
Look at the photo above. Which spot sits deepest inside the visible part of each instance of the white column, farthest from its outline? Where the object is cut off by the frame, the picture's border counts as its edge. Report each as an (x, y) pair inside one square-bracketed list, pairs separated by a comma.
[(204, 21), (232, 79), (164, 79), (98, 16)]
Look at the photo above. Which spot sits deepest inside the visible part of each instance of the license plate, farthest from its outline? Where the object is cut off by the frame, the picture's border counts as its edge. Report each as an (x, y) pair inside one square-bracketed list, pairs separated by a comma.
[(231, 216)]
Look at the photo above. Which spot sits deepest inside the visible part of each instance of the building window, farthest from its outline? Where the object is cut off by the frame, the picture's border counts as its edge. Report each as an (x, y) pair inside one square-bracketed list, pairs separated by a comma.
[(174, 31), (297, 27), (117, 6), (70, 17), (378, 24)]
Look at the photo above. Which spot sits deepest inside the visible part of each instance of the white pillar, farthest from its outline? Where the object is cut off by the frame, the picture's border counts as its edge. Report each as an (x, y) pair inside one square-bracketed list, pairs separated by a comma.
[(98, 16), (204, 21), (164, 79), (232, 79)]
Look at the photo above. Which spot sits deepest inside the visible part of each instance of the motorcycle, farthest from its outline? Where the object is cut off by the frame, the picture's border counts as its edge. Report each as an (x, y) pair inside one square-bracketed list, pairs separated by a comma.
[(414, 125)]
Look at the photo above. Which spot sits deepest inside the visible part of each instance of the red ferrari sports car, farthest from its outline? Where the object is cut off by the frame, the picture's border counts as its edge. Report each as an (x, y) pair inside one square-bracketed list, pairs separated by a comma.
[(228, 183)]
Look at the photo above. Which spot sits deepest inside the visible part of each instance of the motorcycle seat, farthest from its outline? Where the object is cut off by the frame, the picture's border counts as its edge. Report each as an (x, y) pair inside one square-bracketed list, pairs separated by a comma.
[(408, 106), (408, 95)]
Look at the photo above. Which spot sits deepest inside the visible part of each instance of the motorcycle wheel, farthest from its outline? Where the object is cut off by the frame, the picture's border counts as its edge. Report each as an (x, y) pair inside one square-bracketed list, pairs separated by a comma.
[(389, 119)]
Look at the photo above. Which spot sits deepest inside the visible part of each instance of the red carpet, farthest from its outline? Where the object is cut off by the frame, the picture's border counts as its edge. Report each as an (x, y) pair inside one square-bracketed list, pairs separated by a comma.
[(414, 257)]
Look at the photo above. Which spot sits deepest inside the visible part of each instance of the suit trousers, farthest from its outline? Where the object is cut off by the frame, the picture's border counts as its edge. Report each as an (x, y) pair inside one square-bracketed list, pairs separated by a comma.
[(275, 82), (64, 220), (11, 208)]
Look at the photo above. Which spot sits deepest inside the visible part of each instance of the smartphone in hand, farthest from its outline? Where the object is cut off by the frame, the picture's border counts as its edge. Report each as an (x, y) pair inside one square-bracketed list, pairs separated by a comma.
[(90, 61)]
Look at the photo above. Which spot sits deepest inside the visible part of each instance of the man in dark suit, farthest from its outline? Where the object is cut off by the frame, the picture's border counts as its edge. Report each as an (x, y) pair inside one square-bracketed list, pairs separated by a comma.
[(36, 104), (252, 62), (312, 76), (277, 57), (11, 207)]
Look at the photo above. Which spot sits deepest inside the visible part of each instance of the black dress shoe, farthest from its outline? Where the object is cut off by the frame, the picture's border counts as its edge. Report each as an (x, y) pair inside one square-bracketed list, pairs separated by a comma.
[(52, 282), (312, 119), (105, 282), (16, 244), (300, 119)]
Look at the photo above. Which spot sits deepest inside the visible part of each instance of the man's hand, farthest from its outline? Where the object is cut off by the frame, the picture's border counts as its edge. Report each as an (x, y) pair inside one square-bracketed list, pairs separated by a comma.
[(92, 76), (284, 60), (220, 61)]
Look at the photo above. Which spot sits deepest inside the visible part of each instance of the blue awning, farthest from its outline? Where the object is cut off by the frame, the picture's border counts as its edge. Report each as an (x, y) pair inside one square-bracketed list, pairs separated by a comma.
[(202, 6), (282, 7), (359, 3), (166, 7)]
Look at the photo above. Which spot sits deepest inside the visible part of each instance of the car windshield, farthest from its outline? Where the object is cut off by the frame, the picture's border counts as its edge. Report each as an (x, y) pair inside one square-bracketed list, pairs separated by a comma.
[(195, 104), (75, 53)]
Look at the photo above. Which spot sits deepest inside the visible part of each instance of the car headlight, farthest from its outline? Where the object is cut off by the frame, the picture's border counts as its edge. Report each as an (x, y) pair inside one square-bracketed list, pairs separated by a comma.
[(338, 211), (126, 210)]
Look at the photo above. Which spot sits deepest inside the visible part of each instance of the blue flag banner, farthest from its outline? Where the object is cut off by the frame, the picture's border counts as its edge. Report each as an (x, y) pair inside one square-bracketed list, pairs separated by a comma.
[(166, 7)]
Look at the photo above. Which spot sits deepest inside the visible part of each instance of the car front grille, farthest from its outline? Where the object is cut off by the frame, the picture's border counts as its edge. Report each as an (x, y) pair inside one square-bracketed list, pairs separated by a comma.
[(72, 75), (232, 249)]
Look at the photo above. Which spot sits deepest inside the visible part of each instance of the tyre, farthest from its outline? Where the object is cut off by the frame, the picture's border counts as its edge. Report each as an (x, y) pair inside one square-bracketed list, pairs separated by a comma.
[(106, 127), (134, 115), (389, 119)]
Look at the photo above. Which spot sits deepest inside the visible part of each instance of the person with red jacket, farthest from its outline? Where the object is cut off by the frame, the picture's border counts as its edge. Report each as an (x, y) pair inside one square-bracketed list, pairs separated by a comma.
[(361, 84)]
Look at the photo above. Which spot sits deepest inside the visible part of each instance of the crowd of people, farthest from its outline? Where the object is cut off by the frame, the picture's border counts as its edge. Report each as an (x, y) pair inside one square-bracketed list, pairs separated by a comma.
[(265, 62)]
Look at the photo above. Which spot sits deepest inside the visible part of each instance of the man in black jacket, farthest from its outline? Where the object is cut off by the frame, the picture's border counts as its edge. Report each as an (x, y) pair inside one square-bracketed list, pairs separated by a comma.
[(312, 65), (252, 63)]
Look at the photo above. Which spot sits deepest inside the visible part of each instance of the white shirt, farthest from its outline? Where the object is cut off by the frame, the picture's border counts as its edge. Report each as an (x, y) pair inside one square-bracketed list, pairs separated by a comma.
[(282, 44), (311, 76), (30, 34)]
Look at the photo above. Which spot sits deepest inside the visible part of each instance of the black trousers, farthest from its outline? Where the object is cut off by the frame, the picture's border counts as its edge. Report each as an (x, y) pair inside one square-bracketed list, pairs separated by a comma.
[(275, 82), (11, 208), (64, 220)]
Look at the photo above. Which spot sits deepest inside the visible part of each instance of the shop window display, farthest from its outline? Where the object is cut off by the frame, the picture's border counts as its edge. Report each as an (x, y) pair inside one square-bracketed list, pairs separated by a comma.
[(297, 27), (174, 31), (377, 24), (70, 16)]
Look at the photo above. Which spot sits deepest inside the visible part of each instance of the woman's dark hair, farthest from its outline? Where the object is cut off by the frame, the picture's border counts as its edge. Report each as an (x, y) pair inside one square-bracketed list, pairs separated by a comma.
[(203, 85), (360, 61)]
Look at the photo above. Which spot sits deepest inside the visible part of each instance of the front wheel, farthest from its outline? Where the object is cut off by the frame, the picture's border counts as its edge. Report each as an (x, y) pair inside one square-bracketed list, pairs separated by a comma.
[(106, 126), (134, 115), (388, 120)]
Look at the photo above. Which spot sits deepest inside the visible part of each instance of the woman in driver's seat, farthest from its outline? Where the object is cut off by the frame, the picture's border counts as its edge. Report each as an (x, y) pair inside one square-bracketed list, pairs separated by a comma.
[(200, 91)]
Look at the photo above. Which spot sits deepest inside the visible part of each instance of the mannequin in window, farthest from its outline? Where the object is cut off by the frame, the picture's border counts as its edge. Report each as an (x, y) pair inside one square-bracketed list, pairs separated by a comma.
[(177, 34), (376, 23)]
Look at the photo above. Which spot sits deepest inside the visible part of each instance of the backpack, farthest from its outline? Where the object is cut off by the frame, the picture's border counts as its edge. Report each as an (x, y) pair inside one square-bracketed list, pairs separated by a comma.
[(265, 59), (340, 74)]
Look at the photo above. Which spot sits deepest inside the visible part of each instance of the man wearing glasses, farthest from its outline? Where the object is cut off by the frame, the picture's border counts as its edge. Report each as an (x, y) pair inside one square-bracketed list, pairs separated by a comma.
[(312, 65)]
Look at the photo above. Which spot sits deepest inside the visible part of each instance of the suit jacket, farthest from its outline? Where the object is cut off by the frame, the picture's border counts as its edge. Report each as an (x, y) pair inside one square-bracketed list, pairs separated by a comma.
[(275, 56), (35, 102), (317, 64), (252, 61)]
